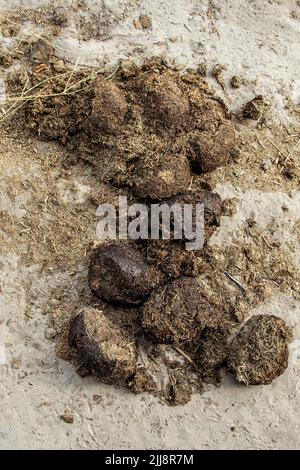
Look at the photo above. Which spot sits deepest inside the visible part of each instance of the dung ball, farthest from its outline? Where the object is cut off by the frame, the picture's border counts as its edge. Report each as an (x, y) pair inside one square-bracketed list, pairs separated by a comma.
[(177, 312), (109, 108), (106, 350), (119, 275), (161, 178), (166, 106), (259, 353), (212, 150)]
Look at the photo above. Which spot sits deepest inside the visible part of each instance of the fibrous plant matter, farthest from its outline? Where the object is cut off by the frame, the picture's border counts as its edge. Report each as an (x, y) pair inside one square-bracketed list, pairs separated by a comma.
[(171, 258), (211, 149), (259, 353), (179, 390), (119, 274), (106, 350), (212, 351), (177, 313)]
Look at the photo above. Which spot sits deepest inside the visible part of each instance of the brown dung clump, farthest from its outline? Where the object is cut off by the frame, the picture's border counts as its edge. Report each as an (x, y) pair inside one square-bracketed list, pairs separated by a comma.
[(108, 109), (154, 132), (211, 150), (161, 178), (177, 313), (106, 350), (212, 203), (259, 353), (213, 140), (253, 108), (212, 351), (171, 258), (161, 117), (119, 274), (166, 107)]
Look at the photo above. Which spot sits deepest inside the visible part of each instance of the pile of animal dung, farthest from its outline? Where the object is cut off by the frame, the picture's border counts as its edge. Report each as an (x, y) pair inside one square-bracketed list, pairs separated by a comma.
[(155, 322)]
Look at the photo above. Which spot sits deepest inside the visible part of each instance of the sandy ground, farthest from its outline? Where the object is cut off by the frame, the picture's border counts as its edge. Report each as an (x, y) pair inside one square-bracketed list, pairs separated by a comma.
[(258, 40)]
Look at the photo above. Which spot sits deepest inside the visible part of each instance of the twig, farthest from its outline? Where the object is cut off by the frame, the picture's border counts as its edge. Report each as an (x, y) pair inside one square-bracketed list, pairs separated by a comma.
[(83, 80), (276, 147), (7, 115), (71, 75), (191, 183), (186, 356), (235, 280), (188, 28), (292, 151), (261, 144), (266, 242), (24, 87), (35, 97), (13, 109), (113, 73)]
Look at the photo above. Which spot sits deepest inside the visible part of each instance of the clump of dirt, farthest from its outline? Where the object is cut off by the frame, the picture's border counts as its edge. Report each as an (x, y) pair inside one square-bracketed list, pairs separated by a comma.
[(119, 274), (236, 81), (254, 108), (144, 22), (259, 353), (177, 313), (106, 350)]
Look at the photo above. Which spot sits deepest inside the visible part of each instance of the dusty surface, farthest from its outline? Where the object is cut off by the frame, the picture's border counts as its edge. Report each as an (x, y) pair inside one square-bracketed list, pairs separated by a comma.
[(40, 392)]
